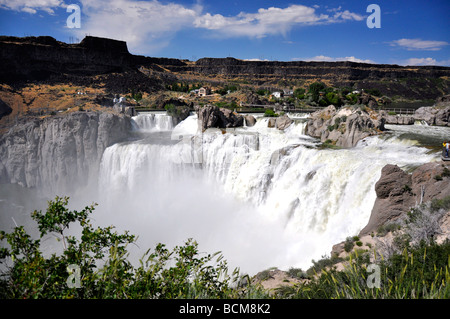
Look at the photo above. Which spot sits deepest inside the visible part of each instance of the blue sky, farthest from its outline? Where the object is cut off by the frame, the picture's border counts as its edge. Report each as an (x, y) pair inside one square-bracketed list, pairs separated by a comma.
[(412, 32)]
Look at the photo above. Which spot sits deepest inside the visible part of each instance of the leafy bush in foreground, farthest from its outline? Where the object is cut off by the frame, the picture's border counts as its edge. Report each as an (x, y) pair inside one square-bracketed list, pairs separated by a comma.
[(99, 256), (94, 264)]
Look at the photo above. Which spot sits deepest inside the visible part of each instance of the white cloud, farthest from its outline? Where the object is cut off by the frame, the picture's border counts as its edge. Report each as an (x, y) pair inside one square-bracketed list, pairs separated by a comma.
[(425, 61), (31, 6), (145, 26), (347, 15), (418, 44), (28, 10), (148, 26), (323, 58), (257, 60), (269, 21)]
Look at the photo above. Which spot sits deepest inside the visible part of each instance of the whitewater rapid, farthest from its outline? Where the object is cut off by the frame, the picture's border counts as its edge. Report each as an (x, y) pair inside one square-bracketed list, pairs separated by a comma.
[(262, 196)]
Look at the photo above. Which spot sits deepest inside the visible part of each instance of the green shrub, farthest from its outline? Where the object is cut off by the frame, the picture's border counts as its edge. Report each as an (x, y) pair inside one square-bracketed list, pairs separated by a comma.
[(437, 204), (417, 272), (333, 98), (270, 113), (262, 92), (105, 272), (374, 92), (297, 273), (314, 90), (386, 228), (446, 172), (348, 245), (407, 188), (299, 93)]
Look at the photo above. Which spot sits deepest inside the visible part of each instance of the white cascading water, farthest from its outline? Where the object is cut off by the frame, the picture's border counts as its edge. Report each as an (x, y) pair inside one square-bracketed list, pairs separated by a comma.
[(263, 197), (153, 122)]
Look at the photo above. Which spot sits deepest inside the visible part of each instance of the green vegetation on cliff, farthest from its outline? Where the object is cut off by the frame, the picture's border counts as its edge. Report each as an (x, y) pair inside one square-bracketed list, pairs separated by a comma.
[(95, 264)]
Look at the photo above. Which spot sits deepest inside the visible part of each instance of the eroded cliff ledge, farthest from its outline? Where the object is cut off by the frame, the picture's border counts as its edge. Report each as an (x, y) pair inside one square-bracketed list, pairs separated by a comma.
[(398, 191), (41, 58), (59, 152)]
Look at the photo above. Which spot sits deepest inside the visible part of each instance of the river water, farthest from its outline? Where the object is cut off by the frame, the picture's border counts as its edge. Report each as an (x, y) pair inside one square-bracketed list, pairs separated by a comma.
[(264, 197)]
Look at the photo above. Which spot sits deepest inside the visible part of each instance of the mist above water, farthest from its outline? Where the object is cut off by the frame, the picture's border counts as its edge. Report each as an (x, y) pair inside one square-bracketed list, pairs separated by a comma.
[(263, 197)]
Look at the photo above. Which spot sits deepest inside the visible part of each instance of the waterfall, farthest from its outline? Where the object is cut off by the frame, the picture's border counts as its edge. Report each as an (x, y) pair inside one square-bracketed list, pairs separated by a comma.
[(263, 196), (153, 122)]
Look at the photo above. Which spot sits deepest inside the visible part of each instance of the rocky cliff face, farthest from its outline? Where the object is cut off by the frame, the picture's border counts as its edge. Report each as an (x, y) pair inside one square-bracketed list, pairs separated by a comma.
[(411, 82), (213, 116), (344, 127), (60, 152), (43, 59), (397, 191), (39, 58)]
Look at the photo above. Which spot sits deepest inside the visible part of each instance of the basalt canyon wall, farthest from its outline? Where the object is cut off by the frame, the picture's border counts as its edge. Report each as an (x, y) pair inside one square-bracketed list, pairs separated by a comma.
[(44, 58), (59, 152)]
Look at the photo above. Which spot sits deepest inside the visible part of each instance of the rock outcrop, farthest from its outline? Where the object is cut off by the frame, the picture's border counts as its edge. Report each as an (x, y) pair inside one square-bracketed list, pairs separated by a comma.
[(42, 58), (443, 100), (433, 115), (417, 82), (397, 192), (212, 116), (178, 109), (4, 109), (283, 122), (344, 127), (397, 119), (59, 152), (250, 120)]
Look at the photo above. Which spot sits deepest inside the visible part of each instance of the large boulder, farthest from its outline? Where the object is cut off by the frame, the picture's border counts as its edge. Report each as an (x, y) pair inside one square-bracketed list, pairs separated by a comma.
[(212, 116), (397, 192), (283, 122), (250, 120), (433, 115), (344, 127), (367, 99)]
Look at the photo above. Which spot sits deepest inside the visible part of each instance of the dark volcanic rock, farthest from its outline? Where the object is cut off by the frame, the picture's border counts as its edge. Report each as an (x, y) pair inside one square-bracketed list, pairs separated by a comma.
[(47, 60), (4, 109), (44, 59), (418, 82), (397, 192), (213, 116)]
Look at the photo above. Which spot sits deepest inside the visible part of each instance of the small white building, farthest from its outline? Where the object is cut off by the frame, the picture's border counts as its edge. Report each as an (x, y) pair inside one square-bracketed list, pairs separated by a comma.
[(277, 94), (204, 91), (288, 93)]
